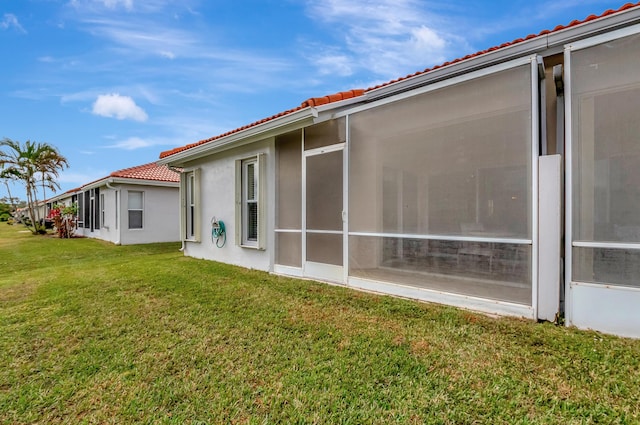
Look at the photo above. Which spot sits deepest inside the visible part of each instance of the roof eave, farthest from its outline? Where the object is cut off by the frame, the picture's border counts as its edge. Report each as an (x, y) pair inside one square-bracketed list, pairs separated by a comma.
[(143, 182), (132, 181), (292, 121)]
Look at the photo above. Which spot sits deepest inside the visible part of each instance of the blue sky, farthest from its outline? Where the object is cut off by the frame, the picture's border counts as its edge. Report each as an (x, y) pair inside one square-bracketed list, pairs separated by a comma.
[(112, 83)]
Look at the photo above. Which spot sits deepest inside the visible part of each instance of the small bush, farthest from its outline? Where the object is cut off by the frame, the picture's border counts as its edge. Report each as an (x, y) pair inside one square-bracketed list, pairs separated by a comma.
[(5, 217)]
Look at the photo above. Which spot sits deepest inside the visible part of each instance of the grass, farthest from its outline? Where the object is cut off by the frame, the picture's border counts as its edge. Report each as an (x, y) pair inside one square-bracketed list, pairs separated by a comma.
[(96, 333)]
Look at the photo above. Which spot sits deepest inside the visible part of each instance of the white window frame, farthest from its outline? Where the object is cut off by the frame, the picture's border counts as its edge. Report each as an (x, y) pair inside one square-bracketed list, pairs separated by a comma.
[(102, 224), (242, 202), (190, 202), (129, 209)]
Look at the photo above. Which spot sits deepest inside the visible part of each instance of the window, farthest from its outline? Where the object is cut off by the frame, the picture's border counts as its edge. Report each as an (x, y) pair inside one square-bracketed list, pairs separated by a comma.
[(135, 209), (102, 209), (249, 193), (190, 198)]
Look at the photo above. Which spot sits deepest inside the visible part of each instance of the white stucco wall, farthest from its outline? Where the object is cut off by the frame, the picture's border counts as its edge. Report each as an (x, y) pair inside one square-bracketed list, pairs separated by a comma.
[(160, 217), (218, 185), (108, 230)]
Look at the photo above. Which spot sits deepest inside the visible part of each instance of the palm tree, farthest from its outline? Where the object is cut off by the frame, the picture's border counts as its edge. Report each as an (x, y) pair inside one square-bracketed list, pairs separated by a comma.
[(6, 176), (25, 162)]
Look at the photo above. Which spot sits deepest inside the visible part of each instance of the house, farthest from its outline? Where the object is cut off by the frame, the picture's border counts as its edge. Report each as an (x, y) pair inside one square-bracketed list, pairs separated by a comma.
[(131, 206), (507, 181)]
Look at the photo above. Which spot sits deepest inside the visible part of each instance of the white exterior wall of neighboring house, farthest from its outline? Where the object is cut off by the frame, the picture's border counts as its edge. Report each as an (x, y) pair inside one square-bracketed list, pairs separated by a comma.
[(160, 214), (108, 230), (218, 191)]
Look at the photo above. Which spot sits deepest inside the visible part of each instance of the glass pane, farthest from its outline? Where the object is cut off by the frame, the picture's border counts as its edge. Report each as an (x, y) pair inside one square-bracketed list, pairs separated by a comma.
[(289, 249), (324, 134), (135, 200), (489, 270), (324, 248), (191, 189), (455, 161), (135, 219), (606, 153), (607, 266), (289, 181), (252, 221), (251, 181), (324, 191)]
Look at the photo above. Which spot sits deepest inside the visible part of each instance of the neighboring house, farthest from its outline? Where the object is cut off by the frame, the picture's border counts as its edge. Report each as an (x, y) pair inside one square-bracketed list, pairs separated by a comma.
[(458, 184), (132, 206), (64, 199)]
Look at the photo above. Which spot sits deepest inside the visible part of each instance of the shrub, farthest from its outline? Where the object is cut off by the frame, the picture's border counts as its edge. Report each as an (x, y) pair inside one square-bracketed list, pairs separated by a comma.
[(4, 217)]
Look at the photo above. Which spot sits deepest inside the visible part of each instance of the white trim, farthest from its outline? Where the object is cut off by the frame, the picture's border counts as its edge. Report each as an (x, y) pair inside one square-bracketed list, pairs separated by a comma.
[(325, 149), (535, 142), (445, 238), (456, 300), (607, 308), (287, 270), (568, 188), (246, 201), (323, 272), (303, 199), (328, 232), (345, 204), (287, 230), (607, 245), (439, 85), (603, 38)]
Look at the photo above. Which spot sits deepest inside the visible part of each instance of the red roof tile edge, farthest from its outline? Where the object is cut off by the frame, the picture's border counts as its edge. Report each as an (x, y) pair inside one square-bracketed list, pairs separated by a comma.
[(151, 171), (318, 101)]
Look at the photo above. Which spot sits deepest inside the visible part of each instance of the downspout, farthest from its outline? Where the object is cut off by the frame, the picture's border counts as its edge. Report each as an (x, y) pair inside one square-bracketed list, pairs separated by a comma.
[(558, 80), (108, 184)]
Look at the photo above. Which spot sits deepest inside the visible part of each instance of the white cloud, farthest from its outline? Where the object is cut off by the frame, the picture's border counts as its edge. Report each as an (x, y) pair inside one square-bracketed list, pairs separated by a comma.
[(80, 178), (116, 106), (167, 54), (10, 20), (132, 143), (112, 4), (387, 37)]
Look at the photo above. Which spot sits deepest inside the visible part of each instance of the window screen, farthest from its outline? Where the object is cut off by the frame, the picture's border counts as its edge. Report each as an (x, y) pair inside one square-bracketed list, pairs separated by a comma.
[(605, 108), (447, 164)]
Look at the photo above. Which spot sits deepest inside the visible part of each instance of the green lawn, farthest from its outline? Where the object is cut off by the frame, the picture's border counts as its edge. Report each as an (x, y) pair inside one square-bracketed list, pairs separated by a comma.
[(96, 333)]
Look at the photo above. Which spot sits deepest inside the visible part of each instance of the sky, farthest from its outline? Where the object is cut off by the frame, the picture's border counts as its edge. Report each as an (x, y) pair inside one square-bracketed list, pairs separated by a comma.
[(112, 83)]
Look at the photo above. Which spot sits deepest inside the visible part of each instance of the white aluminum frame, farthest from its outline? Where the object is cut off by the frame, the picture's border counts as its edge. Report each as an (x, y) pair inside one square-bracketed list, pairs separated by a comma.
[(312, 269), (534, 62), (569, 242)]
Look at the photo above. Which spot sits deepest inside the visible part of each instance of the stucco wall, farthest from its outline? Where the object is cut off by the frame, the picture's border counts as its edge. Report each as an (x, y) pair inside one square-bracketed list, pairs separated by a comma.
[(161, 215), (217, 196)]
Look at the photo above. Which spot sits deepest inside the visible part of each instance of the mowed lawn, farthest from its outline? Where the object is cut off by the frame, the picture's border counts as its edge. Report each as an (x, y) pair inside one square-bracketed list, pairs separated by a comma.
[(96, 333)]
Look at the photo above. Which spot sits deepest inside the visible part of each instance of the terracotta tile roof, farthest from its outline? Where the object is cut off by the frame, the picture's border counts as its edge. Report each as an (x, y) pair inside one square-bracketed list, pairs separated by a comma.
[(317, 101), (151, 171), (312, 102)]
